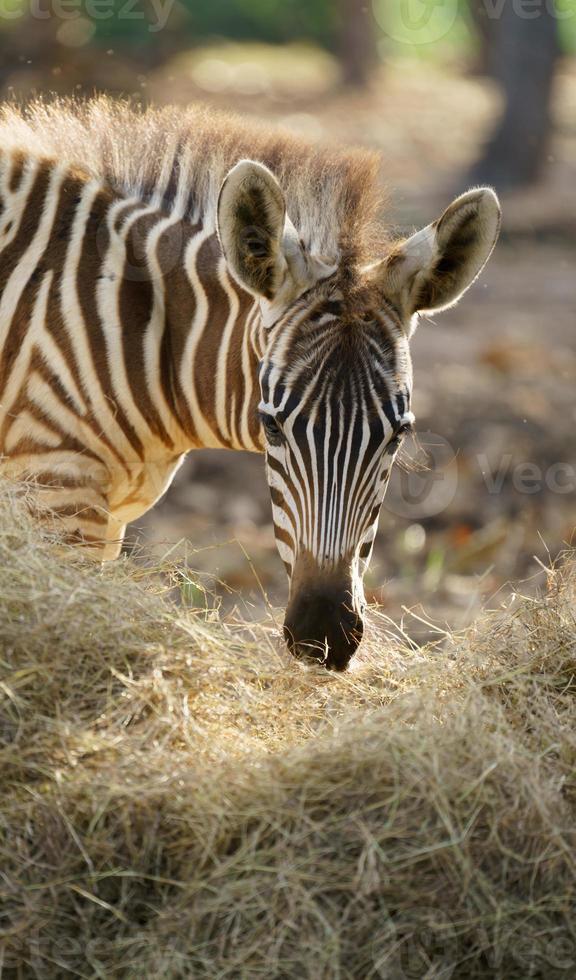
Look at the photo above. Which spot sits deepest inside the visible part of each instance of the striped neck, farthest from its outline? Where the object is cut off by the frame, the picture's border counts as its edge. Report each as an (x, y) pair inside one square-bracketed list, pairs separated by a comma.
[(210, 338)]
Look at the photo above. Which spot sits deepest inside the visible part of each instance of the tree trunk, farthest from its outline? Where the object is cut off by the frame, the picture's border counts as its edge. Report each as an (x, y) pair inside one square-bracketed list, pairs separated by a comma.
[(357, 47), (486, 29), (525, 54)]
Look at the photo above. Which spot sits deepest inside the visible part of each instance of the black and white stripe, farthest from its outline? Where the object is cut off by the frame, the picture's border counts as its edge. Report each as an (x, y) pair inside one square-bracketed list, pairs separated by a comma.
[(335, 403)]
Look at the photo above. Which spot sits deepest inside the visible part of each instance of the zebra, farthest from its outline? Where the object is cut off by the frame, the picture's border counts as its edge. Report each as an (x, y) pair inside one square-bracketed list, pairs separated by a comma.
[(175, 279)]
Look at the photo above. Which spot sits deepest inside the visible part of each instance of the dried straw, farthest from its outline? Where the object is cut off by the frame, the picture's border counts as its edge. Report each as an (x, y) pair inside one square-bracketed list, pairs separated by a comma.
[(178, 798)]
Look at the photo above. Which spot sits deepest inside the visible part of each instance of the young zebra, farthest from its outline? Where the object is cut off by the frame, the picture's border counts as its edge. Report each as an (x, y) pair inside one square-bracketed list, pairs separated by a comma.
[(160, 292)]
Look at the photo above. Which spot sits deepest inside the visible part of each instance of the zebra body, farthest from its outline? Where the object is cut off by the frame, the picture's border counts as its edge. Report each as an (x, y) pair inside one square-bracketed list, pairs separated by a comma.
[(159, 293), (91, 308)]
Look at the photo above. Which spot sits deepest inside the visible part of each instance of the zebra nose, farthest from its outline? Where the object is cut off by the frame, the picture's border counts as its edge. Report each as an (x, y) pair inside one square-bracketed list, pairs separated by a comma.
[(323, 628)]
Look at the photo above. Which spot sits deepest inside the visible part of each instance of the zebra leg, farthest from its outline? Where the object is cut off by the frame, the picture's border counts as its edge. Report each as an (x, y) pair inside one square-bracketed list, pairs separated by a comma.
[(114, 537), (75, 508), (68, 492), (89, 526), (84, 521), (78, 512)]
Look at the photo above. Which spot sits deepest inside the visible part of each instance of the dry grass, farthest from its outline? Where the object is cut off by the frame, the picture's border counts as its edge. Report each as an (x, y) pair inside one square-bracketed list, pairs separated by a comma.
[(180, 799)]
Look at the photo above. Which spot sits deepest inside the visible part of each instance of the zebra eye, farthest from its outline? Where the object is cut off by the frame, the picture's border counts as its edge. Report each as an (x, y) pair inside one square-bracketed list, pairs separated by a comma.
[(272, 429), (398, 437)]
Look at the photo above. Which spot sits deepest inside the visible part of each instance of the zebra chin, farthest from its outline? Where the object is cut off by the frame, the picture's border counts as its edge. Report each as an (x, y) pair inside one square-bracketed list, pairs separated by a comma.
[(322, 626)]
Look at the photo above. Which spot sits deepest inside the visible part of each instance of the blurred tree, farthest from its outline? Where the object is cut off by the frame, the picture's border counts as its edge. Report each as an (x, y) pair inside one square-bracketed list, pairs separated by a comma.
[(485, 28), (521, 51), (275, 21), (357, 42)]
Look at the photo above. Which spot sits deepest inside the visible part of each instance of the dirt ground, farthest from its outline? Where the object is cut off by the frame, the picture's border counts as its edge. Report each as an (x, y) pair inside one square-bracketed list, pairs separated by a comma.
[(494, 384)]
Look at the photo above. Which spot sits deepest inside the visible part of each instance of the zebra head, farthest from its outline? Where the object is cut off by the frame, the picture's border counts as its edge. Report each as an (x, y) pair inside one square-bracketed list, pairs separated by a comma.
[(335, 385)]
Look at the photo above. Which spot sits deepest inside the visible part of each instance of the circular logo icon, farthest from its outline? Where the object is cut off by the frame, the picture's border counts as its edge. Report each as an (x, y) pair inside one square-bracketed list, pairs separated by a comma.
[(425, 483), (416, 22)]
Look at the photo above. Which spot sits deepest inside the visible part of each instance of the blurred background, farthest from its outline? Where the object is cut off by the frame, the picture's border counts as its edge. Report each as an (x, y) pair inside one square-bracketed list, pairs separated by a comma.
[(451, 93)]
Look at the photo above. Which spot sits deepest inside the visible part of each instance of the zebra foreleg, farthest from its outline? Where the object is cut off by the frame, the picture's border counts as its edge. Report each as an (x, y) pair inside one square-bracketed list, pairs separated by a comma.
[(91, 528), (78, 514)]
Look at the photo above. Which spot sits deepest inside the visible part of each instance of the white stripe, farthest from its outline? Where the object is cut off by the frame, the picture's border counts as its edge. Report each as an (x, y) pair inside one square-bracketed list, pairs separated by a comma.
[(154, 330), (224, 347), (323, 518), (276, 481), (33, 334), (54, 360), (15, 201), (77, 329), (248, 343), (18, 279), (206, 435), (41, 394), (26, 426), (108, 303)]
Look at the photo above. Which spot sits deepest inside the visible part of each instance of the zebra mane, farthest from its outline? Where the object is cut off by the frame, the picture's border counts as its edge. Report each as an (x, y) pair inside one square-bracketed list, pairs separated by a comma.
[(176, 159)]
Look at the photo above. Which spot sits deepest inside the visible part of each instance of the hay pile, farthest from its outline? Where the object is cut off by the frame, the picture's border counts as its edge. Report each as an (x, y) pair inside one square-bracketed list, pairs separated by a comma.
[(178, 798)]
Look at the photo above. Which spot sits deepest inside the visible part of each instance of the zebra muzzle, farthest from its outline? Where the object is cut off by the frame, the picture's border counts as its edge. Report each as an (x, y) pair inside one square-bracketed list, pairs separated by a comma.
[(323, 628)]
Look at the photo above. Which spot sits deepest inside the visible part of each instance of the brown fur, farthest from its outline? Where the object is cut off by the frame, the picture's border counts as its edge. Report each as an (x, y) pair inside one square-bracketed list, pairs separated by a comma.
[(332, 195)]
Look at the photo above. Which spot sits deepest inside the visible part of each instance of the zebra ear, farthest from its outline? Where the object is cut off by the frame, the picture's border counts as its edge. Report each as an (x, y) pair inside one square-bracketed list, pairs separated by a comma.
[(431, 270), (251, 216), (260, 244)]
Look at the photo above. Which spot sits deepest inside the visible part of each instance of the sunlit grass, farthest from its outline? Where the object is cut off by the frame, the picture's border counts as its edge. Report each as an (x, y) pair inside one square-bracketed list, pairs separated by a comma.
[(252, 69), (179, 798)]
